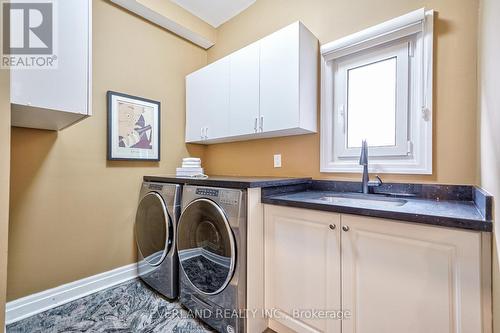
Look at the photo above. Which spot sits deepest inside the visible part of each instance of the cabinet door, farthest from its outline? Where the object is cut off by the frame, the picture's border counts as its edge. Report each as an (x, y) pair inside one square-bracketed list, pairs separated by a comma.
[(67, 87), (207, 102), (244, 90), (399, 277), (279, 79), (196, 117), (302, 267), (217, 107)]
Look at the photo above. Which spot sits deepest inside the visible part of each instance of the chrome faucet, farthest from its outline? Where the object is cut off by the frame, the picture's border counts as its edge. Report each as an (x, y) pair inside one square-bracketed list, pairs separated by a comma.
[(363, 160)]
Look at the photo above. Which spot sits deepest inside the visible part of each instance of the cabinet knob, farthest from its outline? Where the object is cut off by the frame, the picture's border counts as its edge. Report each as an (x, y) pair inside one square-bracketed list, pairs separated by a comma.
[(333, 226), (345, 228)]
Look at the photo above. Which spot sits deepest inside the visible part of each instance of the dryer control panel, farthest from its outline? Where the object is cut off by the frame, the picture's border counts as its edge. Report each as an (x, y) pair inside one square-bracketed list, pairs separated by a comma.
[(155, 187)]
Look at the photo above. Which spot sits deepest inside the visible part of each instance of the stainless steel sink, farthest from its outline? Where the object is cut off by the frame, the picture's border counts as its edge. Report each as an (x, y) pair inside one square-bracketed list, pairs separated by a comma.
[(354, 199)]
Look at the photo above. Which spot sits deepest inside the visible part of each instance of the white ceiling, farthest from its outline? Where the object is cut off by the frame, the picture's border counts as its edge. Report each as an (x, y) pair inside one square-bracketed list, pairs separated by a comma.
[(214, 12)]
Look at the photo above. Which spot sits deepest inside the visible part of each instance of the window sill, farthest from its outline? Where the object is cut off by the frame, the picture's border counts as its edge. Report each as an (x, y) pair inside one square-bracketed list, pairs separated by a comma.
[(393, 167)]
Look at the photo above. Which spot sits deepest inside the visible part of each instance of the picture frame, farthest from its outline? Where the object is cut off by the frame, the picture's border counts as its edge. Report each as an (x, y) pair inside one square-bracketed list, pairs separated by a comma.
[(134, 132)]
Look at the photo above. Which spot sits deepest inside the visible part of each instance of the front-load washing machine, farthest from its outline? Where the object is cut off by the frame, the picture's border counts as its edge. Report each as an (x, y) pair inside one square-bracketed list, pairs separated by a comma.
[(211, 242), (155, 233)]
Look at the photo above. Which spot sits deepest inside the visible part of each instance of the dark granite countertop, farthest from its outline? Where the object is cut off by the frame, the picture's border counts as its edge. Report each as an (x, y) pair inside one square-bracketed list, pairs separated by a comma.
[(229, 181), (454, 206), (464, 207)]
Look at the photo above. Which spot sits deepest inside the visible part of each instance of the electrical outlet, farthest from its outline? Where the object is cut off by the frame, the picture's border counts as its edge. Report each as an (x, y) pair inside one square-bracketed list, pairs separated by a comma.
[(277, 161)]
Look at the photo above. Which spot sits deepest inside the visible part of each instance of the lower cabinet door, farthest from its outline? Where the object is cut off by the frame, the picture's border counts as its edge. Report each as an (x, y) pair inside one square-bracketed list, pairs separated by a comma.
[(302, 269), (401, 277)]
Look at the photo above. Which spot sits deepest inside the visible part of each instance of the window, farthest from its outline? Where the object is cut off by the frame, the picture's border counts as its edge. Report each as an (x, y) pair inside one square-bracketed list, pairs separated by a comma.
[(371, 103), (377, 86)]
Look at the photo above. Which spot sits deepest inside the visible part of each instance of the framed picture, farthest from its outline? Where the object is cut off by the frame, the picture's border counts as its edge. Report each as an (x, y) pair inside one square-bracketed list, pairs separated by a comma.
[(133, 128)]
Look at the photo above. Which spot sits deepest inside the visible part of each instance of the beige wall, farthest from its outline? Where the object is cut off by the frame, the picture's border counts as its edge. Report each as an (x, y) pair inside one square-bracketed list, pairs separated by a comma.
[(4, 185), (72, 212), (489, 106), (455, 147)]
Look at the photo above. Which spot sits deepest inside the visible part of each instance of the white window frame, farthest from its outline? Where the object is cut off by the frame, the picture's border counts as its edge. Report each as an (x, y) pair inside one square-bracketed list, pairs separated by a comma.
[(342, 66), (413, 151)]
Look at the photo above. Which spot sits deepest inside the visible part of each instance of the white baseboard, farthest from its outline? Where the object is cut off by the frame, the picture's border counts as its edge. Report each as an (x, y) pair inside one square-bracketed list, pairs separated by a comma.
[(33, 304)]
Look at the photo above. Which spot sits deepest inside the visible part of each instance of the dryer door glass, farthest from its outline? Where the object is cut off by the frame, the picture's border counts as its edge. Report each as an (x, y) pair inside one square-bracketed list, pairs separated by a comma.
[(206, 246), (152, 229)]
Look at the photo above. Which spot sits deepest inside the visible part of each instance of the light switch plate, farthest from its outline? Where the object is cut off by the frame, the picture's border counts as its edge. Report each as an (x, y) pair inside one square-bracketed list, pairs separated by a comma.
[(277, 161)]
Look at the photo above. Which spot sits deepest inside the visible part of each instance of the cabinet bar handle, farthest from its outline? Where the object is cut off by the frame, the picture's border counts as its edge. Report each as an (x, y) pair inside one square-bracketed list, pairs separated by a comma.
[(202, 135), (255, 125), (261, 123), (206, 132)]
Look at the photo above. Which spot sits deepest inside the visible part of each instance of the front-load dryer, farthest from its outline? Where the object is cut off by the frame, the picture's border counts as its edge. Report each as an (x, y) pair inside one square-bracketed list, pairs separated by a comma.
[(155, 233), (211, 242)]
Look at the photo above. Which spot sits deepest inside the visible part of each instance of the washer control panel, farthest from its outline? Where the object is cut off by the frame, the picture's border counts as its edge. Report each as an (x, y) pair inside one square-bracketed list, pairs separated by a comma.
[(226, 197), (229, 197), (208, 192)]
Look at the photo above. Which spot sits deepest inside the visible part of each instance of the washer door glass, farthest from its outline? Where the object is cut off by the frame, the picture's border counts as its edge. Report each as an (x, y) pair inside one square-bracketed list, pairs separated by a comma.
[(206, 246), (152, 229)]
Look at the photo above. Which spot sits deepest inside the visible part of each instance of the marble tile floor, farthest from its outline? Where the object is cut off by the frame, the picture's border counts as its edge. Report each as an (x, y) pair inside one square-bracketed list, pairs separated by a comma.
[(128, 307)]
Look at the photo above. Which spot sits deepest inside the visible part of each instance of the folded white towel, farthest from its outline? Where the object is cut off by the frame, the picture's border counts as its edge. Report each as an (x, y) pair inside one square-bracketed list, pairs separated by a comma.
[(190, 170), (192, 159), (191, 165)]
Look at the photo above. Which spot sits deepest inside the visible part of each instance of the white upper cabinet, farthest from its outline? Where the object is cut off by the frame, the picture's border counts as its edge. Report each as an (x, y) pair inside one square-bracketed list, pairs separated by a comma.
[(217, 100), (56, 98), (195, 85), (279, 84), (272, 90), (207, 103), (244, 91)]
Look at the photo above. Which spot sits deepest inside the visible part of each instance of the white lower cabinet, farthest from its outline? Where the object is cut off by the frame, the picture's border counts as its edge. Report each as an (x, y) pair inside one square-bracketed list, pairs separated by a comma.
[(302, 266), (399, 277), (387, 276)]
